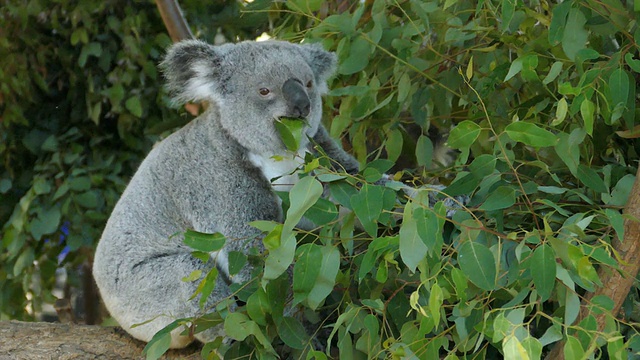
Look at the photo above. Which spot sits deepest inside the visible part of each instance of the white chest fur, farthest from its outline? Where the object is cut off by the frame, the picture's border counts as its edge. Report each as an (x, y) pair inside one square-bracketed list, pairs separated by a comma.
[(281, 168)]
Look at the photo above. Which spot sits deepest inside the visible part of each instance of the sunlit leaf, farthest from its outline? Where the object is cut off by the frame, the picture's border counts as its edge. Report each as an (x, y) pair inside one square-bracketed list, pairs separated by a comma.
[(463, 135), (530, 134), (291, 132), (204, 242)]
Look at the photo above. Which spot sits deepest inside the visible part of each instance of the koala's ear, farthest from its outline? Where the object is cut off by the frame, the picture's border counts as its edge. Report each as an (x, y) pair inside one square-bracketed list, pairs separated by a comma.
[(191, 68), (322, 62)]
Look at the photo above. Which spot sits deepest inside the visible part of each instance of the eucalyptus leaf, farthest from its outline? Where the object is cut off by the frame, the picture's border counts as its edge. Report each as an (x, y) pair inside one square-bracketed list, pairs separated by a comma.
[(478, 264)]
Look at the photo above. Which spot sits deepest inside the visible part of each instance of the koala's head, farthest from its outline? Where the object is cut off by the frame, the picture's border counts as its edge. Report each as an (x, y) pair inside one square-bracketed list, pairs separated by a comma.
[(252, 84)]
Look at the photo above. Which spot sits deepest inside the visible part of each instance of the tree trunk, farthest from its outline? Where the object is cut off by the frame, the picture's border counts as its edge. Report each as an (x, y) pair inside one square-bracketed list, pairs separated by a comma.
[(173, 20), (616, 283), (36, 340)]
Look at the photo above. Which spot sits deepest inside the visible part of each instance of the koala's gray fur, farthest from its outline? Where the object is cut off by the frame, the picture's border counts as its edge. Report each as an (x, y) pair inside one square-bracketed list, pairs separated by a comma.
[(213, 175)]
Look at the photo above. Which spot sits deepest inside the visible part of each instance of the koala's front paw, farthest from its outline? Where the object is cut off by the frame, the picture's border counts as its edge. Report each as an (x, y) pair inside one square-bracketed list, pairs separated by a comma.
[(351, 166)]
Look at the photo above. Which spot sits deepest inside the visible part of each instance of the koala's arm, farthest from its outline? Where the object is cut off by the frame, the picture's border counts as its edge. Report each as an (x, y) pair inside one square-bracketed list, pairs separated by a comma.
[(340, 159)]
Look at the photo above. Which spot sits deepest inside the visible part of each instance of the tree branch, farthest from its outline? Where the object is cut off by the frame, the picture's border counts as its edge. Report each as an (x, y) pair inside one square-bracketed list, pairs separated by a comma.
[(38, 340), (617, 283)]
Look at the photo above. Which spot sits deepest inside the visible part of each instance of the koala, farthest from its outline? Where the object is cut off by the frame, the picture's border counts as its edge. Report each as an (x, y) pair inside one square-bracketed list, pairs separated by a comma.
[(213, 175)]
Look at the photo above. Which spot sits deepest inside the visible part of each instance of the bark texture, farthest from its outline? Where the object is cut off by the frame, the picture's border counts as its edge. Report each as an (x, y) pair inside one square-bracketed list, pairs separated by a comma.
[(616, 284), (53, 341)]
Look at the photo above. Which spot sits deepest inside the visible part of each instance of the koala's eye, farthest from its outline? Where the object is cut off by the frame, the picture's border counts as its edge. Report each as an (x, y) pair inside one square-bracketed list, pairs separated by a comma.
[(309, 84), (264, 91)]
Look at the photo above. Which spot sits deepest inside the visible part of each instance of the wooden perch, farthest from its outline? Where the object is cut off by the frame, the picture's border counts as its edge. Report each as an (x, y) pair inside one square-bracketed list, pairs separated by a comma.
[(34, 341), (616, 283)]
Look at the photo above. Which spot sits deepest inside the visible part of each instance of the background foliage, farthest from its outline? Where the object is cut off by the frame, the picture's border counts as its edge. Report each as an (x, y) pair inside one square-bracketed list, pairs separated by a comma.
[(540, 99)]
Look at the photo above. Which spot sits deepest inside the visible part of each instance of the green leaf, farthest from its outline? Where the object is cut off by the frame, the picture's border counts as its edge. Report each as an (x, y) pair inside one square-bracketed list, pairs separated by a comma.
[(161, 341), (305, 6), (572, 307), (367, 205), (543, 270), (322, 212), (436, 299), (616, 348), (621, 191), (326, 278), (568, 148), (483, 166), (424, 151), (195, 275), (591, 178), (513, 349), (508, 9), (619, 85), (478, 263), (90, 49), (587, 110), (530, 134), (502, 198), (358, 58), (292, 333), (157, 346), (302, 196), (533, 347), (88, 199), (204, 242), (404, 87), (573, 349), (291, 132), (561, 112), (412, 248), (237, 261), (81, 183), (514, 69), (558, 22), (47, 222), (41, 186), (258, 307), (634, 64), (463, 135), (24, 261), (5, 185), (279, 259), (575, 35), (393, 144), (134, 106), (555, 70), (273, 239), (306, 271), (238, 327), (206, 287), (430, 223), (463, 185)]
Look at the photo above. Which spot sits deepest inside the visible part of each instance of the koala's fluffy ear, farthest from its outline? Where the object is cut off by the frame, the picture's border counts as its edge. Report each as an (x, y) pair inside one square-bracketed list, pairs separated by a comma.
[(190, 69), (322, 62)]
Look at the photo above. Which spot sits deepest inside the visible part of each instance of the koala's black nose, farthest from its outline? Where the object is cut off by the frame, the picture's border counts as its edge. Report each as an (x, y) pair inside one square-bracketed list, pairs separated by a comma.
[(297, 98)]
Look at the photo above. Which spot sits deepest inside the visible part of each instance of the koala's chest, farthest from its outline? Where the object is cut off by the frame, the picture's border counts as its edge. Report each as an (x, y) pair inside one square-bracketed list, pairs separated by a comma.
[(281, 171)]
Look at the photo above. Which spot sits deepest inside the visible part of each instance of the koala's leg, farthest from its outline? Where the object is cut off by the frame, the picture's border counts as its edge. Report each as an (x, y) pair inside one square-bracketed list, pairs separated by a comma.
[(340, 159), (147, 293)]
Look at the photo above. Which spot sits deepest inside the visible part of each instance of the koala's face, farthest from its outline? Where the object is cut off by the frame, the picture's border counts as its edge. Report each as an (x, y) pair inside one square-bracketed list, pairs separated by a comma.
[(253, 85)]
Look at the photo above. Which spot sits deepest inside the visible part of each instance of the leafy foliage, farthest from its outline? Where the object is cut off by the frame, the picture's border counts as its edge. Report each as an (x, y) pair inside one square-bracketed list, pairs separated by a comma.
[(540, 100), (543, 99)]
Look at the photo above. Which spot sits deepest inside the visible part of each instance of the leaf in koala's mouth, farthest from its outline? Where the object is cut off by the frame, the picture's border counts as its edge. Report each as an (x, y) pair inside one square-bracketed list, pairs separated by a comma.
[(291, 131)]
